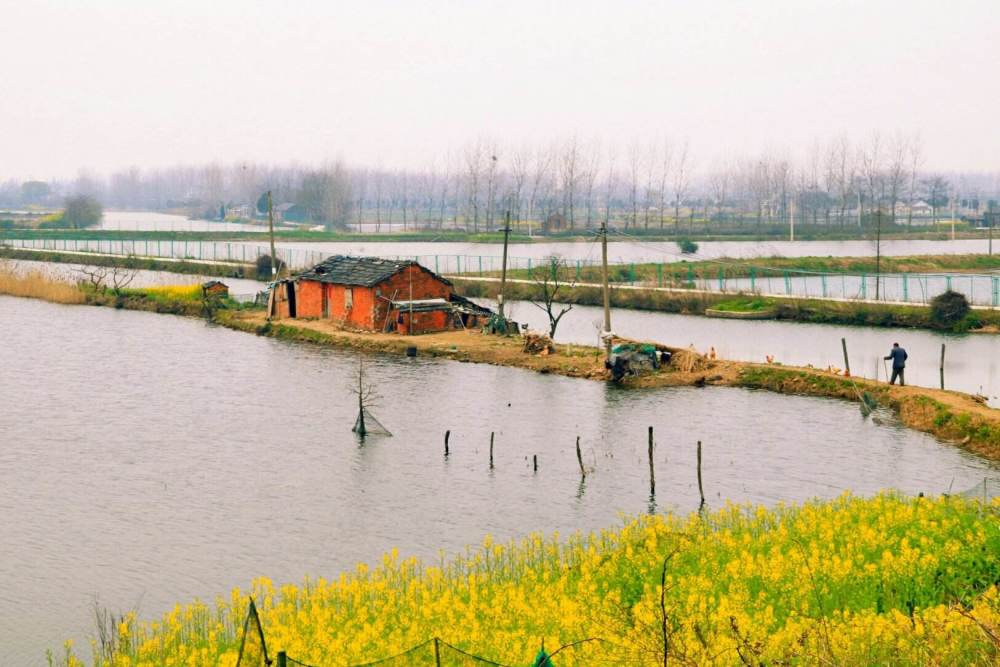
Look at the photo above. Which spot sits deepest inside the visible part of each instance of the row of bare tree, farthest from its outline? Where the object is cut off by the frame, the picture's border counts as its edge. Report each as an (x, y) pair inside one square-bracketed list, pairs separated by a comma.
[(570, 185)]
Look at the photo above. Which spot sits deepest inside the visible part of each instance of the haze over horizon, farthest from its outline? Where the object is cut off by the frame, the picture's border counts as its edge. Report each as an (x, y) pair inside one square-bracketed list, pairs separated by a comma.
[(106, 84)]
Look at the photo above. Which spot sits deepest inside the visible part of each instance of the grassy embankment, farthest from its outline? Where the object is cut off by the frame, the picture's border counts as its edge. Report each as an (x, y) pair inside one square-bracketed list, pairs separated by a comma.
[(815, 311), (886, 580), (221, 270), (949, 415), (679, 274), (171, 299)]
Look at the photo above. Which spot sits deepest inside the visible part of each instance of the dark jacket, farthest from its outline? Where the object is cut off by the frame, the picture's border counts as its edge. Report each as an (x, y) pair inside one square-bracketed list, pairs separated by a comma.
[(898, 356)]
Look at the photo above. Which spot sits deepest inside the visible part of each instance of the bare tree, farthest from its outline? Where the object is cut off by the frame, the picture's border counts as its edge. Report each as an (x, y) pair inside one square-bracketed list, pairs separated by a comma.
[(634, 161), (592, 164), (94, 278), (569, 165), (403, 181), (540, 178), (680, 181), (719, 182), (896, 171), (647, 194), (122, 276), (871, 170), (548, 285), (915, 161), (843, 169), (665, 163), (367, 397), (361, 185), (474, 172), (520, 159)]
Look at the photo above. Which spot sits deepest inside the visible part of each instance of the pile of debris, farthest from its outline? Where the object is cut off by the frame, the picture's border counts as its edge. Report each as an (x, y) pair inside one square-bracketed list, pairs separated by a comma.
[(538, 343), (689, 361), (633, 359)]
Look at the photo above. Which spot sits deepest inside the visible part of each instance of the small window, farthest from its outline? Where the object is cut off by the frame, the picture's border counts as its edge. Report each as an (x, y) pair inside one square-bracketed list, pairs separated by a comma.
[(348, 297)]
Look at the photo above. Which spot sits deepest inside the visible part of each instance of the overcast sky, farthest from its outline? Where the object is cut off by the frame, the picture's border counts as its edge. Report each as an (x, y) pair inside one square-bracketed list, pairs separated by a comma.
[(108, 84)]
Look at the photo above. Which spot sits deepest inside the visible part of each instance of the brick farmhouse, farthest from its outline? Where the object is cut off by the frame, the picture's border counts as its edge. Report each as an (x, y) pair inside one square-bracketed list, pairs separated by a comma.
[(374, 294)]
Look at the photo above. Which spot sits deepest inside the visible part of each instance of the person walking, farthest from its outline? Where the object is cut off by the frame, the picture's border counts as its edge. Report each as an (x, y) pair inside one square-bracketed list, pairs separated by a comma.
[(898, 356)]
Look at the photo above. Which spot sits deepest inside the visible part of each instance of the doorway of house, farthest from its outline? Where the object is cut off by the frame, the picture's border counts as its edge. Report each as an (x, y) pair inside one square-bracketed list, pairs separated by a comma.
[(290, 287)]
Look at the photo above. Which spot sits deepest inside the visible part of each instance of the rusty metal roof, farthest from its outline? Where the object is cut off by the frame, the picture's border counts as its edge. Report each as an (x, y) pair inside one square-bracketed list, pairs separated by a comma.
[(362, 271)]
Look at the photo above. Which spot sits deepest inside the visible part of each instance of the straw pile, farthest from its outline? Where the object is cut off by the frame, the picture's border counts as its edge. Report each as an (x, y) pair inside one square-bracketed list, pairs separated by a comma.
[(537, 343), (688, 361)]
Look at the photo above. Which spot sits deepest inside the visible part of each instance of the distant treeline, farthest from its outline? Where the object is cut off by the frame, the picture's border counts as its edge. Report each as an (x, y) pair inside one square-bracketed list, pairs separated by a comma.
[(568, 185)]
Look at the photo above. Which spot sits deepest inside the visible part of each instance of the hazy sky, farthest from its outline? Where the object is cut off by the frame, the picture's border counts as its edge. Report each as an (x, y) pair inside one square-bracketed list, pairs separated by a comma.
[(106, 84)]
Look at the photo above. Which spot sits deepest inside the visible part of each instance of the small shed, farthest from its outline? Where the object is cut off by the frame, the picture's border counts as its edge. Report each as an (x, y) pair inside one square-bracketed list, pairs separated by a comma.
[(215, 288)]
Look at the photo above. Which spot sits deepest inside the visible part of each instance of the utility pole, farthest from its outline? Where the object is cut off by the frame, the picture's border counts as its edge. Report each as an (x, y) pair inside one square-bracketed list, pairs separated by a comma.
[(878, 251), (604, 281), (270, 225), (503, 270)]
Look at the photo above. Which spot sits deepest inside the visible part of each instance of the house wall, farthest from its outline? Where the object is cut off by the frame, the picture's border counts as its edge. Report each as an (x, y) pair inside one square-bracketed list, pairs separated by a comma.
[(280, 297), (426, 322), (369, 309)]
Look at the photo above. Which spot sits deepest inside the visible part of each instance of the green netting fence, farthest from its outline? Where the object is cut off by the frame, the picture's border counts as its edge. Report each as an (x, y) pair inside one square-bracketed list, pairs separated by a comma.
[(432, 652), (981, 289)]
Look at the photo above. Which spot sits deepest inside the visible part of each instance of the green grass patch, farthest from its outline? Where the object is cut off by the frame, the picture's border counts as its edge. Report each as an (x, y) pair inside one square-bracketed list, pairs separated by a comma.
[(745, 305)]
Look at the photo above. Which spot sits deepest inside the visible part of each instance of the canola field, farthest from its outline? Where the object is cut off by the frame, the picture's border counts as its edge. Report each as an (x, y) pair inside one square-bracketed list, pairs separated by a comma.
[(853, 581)]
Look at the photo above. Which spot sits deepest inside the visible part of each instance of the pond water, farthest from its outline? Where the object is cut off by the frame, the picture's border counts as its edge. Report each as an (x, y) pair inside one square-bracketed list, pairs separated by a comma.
[(151, 221), (150, 459)]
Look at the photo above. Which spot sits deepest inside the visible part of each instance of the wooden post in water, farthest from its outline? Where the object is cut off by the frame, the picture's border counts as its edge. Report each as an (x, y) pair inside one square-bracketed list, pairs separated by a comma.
[(847, 362), (652, 474), (447, 435), (534, 459), (941, 368), (701, 490), (491, 450), (579, 459)]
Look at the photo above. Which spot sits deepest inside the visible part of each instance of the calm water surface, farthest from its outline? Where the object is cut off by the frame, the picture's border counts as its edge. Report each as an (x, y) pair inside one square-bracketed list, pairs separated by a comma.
[(166, 222), (149, 459)]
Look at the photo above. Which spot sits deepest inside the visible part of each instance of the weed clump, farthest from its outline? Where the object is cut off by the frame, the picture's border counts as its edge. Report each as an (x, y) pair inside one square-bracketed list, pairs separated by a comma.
[(949, 309)]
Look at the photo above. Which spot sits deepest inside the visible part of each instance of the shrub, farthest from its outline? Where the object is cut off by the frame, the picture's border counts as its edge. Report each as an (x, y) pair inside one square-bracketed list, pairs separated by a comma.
[(949, 308), (263, 267), (687, 246)]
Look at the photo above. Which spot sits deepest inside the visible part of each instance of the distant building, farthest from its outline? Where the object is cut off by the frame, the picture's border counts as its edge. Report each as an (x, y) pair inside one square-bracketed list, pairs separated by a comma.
[(240, 212), (290, 212), (374, 294), (215, 288)]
